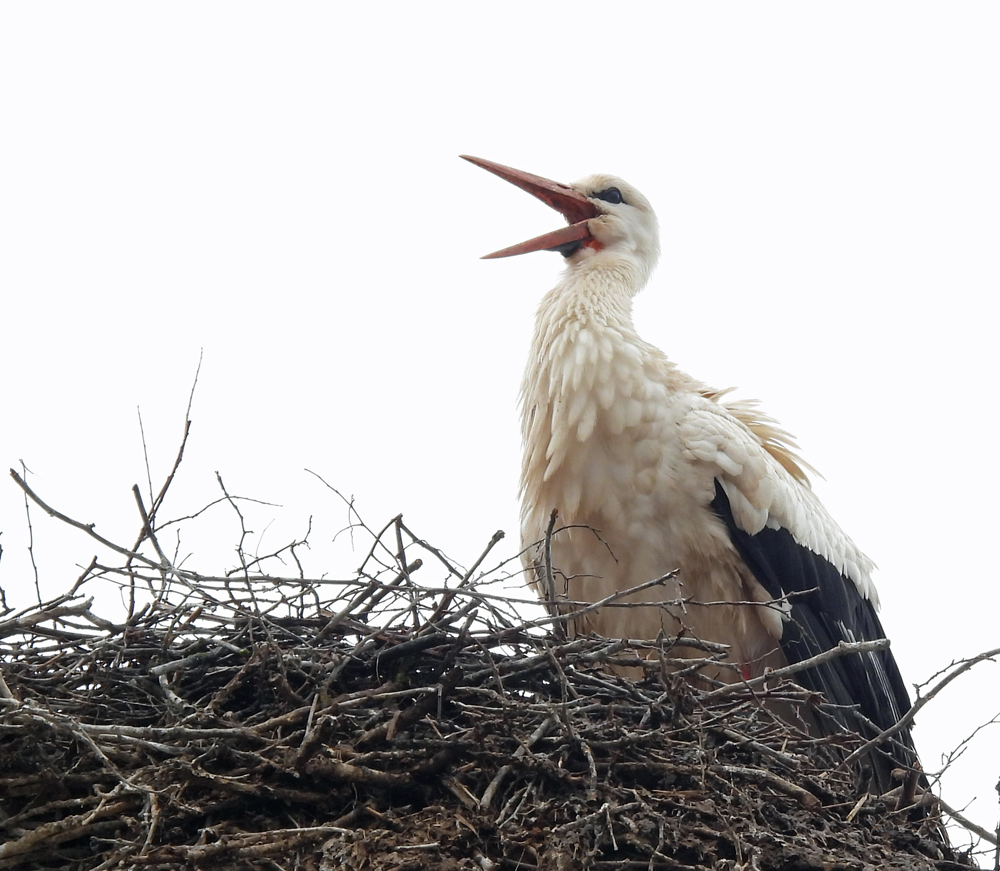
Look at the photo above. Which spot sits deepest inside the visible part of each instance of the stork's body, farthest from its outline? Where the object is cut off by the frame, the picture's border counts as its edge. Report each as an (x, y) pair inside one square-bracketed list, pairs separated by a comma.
[(602, 418), (650, 471)]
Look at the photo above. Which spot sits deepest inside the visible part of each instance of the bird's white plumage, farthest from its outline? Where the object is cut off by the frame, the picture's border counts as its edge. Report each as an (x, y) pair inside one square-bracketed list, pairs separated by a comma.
[(650, 471), (628, 449), (762, 492)]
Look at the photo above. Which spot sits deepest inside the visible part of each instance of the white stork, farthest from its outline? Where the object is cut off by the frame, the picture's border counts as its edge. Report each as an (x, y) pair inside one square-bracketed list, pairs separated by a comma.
[(650, 471)]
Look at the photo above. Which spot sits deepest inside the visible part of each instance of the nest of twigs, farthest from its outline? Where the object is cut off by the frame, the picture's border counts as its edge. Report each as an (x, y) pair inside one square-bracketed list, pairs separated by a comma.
[(249, 722)]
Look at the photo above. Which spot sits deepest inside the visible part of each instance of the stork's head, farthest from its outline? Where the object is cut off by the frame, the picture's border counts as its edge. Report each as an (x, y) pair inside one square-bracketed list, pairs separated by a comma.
[(609, 220)]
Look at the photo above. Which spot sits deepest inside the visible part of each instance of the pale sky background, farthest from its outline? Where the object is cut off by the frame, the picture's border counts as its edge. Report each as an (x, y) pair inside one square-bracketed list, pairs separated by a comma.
[(278, 184)]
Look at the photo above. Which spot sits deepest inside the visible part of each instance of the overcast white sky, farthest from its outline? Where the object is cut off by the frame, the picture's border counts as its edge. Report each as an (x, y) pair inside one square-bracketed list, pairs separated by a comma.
[(278, 184)]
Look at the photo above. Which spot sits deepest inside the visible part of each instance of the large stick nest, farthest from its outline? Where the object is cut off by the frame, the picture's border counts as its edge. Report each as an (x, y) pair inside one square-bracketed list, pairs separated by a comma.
[(240, 722)]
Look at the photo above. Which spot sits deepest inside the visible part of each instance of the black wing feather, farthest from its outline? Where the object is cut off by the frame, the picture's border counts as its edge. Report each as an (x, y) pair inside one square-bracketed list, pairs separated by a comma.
[(834, 611)]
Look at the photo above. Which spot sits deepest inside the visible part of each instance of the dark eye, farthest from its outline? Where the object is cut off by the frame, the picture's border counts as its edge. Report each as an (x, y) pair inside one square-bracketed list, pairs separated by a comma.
[(611, 195)]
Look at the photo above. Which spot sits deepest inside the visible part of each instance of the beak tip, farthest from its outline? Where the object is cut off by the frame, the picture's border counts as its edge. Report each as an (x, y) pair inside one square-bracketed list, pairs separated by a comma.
[(573, 205)]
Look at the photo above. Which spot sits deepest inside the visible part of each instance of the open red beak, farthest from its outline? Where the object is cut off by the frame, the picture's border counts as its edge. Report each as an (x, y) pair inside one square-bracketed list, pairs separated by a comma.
[(574, 206)]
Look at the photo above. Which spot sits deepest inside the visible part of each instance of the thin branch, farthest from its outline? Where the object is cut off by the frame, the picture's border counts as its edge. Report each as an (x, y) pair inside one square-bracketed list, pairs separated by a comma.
[(844, 648), (907, 718), (86, 527), (966, 823), (31, 537)]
